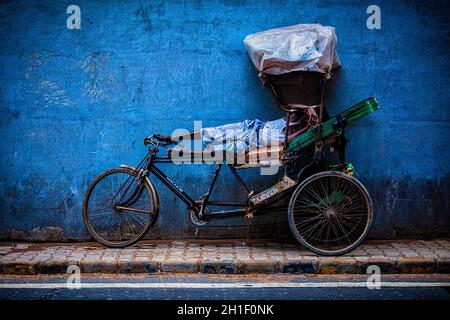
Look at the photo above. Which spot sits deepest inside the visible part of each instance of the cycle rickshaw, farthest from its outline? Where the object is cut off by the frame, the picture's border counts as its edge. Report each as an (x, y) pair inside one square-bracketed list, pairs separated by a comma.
[(329, 210)]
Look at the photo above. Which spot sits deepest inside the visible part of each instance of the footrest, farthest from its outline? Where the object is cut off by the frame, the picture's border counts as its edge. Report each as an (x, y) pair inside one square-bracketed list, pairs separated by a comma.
[(281, 186)]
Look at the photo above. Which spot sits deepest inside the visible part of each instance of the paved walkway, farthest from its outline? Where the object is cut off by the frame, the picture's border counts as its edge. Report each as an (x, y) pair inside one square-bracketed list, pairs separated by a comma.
[(231, 257)]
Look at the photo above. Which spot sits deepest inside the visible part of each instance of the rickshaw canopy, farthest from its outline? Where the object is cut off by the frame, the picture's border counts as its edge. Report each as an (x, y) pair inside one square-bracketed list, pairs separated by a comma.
[(301, 47)]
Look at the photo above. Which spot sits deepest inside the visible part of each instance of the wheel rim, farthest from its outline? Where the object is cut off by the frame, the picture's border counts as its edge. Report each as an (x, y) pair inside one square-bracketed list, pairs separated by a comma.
[(331, 213), (120, 208)]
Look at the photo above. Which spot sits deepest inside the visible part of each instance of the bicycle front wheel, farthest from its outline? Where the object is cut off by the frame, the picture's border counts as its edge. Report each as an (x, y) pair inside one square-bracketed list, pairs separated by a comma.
[(119, 208)]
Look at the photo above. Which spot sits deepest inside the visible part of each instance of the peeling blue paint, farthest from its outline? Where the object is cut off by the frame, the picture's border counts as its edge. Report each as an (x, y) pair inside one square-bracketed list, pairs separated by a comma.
[(76, 102)]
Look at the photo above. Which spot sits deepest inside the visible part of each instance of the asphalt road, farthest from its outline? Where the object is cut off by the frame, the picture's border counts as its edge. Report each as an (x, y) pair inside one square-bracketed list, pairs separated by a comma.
[(214, 287)]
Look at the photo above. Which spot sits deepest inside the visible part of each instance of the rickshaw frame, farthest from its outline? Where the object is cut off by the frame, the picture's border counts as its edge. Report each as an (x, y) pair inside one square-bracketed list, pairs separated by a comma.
[(304, 166), (245, 207)]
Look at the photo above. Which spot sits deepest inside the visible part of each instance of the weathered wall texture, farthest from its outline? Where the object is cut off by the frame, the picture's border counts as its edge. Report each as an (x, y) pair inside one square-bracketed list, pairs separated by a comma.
[(76, 102)]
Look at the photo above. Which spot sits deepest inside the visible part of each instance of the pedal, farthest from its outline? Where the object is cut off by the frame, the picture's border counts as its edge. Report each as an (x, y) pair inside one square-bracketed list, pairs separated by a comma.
[(284, 184)]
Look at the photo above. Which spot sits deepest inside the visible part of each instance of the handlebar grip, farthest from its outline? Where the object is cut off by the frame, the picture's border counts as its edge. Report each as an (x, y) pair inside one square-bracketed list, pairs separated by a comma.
[(147, 140)]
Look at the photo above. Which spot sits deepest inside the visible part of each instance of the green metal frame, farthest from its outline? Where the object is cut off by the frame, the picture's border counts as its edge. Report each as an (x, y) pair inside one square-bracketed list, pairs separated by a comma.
[(334, 125)]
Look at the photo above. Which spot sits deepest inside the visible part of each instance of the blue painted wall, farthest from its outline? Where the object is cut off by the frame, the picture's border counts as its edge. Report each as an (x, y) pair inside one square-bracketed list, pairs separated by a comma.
[(76, 102)]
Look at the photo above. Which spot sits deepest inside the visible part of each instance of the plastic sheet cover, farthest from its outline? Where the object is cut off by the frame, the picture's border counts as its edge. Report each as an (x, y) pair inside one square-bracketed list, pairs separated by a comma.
[(302, 47)]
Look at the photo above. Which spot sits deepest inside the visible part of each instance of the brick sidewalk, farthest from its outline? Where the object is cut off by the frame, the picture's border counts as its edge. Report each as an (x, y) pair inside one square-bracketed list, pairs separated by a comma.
[(233, 257)]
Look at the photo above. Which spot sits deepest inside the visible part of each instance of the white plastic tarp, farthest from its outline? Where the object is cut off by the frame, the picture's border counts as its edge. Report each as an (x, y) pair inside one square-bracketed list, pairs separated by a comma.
[(302, 47)]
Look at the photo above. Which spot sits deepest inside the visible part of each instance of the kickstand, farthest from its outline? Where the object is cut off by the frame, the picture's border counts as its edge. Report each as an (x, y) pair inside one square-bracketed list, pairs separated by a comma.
[(196, 233)]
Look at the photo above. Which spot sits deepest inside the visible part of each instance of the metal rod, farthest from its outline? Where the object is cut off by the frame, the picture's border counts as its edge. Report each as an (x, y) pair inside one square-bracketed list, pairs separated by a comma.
[(226, 203), (173, 187), (319, 143), (132, 209), (213, 182), (239, 179), (224, 213), (210, 188)]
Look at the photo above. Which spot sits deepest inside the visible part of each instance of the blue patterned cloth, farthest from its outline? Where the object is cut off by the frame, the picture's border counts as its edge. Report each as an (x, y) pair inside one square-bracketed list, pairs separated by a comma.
[(241, 137)]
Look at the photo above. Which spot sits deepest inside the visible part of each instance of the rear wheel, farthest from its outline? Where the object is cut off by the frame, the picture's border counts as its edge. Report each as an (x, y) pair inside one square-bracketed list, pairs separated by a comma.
[(119, 208), (330, 213)]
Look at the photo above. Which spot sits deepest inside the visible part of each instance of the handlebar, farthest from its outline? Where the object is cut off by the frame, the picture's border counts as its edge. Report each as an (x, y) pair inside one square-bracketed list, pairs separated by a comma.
[(155, 142), (148, 140)]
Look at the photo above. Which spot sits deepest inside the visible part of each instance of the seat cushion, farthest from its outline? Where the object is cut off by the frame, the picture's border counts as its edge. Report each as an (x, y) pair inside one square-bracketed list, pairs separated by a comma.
[(251, 157)]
